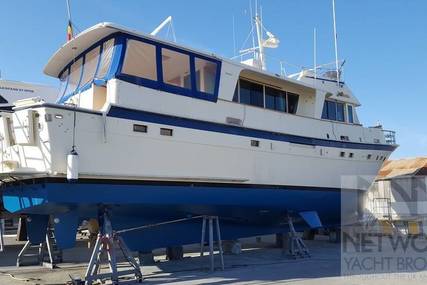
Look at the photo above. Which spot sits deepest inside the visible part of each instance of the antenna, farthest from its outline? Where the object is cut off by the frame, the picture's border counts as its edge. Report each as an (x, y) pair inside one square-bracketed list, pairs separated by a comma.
[(315, 54), (258, 25), (336, 44), (234, 38), (68, 10)]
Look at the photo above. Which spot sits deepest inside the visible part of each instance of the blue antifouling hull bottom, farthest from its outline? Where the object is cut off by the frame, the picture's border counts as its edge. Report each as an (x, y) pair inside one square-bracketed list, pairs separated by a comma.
[(244, 210)]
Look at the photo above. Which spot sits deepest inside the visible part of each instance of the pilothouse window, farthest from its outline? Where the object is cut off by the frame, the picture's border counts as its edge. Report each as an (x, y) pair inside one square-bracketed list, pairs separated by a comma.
[(254, 94), (176, 68), (334, 111), (275, 99), (251, 93), (350, 114)]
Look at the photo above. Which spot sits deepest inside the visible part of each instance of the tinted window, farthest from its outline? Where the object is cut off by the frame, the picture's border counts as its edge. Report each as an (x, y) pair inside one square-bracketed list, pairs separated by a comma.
[(275, 99), (350, 114), (325, 110), (236, 93), (340, 112), (332, 110), (292, 103), (251, 93)]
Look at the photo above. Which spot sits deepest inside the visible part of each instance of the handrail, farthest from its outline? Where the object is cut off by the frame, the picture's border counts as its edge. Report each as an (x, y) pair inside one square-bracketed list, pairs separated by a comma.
[(390, 136)]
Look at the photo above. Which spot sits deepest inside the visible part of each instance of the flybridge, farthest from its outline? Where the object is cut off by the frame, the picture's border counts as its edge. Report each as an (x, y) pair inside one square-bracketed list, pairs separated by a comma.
[(144, 62)]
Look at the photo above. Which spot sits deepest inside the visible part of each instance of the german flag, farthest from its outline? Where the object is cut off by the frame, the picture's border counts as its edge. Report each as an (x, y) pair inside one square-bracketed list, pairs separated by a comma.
[(69, 31)]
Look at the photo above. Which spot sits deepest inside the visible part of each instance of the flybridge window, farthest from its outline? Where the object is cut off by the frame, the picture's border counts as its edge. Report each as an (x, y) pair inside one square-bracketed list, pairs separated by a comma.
[(170, 69), (205, 75), (106, 57), (92, 64), (74, 76), (176, 68), (333, 111), (140, 60), (255, 94)]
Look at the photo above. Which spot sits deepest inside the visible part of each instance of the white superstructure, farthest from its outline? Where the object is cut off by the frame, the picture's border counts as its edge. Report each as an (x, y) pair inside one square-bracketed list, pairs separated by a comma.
[(146, 109)]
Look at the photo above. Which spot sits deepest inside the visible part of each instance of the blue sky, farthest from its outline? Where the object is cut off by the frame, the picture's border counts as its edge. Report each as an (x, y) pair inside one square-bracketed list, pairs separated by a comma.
[(384, 43)]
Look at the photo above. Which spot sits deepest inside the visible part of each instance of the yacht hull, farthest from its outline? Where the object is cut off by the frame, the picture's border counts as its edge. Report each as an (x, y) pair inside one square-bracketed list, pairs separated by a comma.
[(244, 210)]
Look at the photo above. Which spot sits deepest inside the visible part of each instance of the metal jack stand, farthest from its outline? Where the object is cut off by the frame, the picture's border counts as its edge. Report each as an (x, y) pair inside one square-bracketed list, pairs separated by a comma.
[(211, 240), (42, 250), (297, 247), (1, 235), (105, 244)]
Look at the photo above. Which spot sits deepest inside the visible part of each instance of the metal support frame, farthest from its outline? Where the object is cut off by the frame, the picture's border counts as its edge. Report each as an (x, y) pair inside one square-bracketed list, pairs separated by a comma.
[(44, 249), (105, 243), (1, 235), (211, 219), (297, 247)]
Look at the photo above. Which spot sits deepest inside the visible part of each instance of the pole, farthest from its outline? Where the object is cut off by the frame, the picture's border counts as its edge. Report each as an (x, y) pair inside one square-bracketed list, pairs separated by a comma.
[(68, 10), (315, 54), (335, 42), (260, 41)]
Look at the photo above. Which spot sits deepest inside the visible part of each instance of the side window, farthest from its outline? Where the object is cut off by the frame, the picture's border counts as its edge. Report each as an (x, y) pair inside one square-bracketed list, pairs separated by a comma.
[(292, 103), (74, 77), (275, 99), (236, 92), (140, 60), (176, 68), (334, 111), (251, 93), (89, 68), (340, 112), (106, 57), (205, 75), (350, 114)]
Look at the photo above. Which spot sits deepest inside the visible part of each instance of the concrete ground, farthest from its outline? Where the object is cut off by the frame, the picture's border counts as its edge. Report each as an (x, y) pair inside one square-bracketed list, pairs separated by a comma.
[(259, 263)]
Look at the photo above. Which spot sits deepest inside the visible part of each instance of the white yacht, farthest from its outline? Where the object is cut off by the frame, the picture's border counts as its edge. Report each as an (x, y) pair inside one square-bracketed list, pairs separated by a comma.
[(163, 131)]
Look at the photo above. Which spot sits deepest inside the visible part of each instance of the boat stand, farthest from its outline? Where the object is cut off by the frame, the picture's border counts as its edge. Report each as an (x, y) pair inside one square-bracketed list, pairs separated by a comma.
[(210, 220), (105, 244), (46, 249), (297, 247)]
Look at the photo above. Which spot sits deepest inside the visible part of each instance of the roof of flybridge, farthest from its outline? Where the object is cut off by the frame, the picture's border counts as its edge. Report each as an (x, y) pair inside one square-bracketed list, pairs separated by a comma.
[(65, 54)]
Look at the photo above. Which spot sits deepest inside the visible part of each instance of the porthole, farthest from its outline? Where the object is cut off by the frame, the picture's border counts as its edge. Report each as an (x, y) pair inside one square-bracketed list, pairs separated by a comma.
[(342, 154), (166, 132), (254, 143)]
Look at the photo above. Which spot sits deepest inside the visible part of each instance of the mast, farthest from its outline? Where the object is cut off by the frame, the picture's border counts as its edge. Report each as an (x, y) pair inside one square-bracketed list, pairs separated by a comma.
[(336, 44), (258, 25)]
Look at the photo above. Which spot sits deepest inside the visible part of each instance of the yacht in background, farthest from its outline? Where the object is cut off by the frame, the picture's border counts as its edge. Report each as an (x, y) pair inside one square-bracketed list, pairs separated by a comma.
[(152, 131), (11, 91)]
